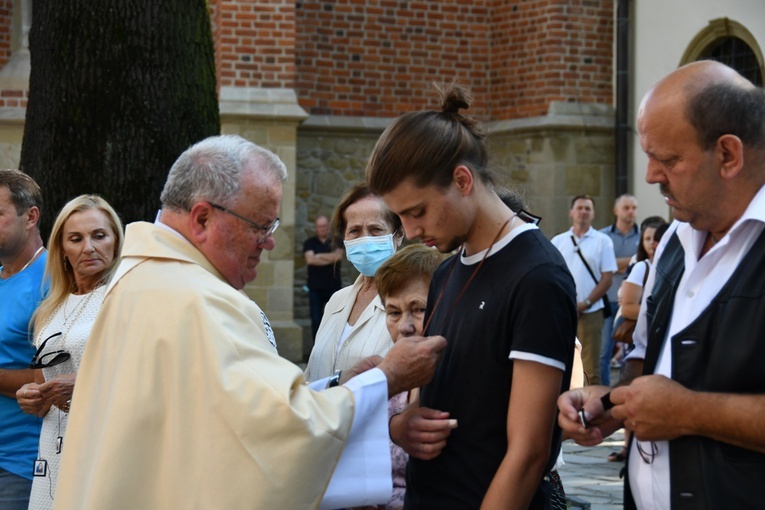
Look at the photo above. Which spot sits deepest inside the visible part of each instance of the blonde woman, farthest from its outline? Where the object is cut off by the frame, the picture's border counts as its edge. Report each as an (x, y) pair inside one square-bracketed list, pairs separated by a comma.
[(83, 254)]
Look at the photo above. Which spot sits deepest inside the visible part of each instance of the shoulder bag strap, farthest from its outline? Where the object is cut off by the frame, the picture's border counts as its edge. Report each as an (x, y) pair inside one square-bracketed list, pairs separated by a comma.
[(585, 261), (645, 276)]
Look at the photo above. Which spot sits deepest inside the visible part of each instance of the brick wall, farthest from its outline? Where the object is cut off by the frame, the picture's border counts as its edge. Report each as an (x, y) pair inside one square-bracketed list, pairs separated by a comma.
[(6, 11), (254, 43), (379, 57), (10, 97), (13, 98), (550, 50)]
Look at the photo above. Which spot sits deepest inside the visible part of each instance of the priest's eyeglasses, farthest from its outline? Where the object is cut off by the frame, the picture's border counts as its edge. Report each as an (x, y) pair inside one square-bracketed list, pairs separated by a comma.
[(49, 359), (266, 229)]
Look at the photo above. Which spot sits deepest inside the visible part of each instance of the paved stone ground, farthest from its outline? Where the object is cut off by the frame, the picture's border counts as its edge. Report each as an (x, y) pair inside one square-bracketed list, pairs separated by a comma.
[(588, 477)]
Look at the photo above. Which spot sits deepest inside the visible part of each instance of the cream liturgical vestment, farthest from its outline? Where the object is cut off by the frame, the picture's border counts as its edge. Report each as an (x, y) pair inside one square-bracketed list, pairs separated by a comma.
[(181, 400)]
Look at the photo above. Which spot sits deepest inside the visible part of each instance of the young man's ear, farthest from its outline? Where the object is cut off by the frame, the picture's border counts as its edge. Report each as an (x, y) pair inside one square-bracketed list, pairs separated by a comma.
[(463, 179)]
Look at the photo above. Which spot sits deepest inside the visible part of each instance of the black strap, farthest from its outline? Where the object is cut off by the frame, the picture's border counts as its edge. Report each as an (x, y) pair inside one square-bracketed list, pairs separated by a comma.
[(645, 276), (583, 260)]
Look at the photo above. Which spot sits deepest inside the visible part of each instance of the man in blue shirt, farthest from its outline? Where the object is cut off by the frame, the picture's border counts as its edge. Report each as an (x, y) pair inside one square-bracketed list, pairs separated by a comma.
[(22, 264), (625, 235)]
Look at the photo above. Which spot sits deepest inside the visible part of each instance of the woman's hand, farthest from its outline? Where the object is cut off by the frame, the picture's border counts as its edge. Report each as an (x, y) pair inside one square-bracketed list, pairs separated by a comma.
[(31, 400), (58, 391)]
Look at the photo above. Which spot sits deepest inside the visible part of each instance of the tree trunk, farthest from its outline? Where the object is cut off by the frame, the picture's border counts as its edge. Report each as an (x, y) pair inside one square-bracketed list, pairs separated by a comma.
[(118, 89)]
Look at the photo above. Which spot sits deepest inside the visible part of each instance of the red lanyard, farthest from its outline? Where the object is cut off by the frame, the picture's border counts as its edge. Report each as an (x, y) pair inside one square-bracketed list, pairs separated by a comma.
[(464, 288)]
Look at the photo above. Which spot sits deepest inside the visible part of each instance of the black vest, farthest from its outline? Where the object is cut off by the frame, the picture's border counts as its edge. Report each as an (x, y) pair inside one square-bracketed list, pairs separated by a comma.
[(722, 350)]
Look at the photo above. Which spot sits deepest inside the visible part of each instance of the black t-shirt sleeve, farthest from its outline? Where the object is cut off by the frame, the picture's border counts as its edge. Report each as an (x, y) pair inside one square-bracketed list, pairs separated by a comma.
[(544, 316)]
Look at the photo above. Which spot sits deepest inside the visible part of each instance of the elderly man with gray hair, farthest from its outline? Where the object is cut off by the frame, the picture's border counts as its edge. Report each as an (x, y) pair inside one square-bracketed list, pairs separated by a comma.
[(182, 400)]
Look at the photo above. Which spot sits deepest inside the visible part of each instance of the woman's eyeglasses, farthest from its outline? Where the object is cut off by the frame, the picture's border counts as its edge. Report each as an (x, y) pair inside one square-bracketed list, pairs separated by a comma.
[(49, 359)]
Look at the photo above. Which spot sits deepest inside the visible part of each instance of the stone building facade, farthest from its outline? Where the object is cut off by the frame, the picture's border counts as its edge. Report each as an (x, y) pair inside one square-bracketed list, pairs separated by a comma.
[(318, 81)]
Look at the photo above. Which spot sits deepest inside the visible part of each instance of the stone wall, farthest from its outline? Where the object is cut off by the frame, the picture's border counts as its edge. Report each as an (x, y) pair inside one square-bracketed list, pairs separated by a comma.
[(551, 159), (330, 160), (269, 117)]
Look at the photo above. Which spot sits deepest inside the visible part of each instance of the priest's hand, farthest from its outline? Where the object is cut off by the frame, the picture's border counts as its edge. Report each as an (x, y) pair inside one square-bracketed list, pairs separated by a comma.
[(411, 362), (362, 366)]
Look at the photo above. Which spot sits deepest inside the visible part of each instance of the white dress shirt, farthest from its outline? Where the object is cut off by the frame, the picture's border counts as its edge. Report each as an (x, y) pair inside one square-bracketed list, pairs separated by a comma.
[(702, 280), (598, 250)]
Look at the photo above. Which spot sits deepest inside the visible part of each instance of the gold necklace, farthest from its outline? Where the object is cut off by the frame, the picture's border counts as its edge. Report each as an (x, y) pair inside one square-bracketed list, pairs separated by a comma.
[(79, 308)]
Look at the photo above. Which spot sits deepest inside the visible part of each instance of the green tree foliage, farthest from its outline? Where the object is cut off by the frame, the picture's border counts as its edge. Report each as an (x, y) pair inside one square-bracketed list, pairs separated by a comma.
[(118, 89)]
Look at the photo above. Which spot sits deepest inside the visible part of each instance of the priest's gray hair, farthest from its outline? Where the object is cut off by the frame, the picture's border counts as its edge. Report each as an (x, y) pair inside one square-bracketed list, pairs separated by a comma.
[(210, 170)]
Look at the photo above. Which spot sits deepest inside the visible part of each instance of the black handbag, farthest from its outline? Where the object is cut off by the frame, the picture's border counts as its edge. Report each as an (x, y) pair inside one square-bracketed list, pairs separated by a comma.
[(607, 311)]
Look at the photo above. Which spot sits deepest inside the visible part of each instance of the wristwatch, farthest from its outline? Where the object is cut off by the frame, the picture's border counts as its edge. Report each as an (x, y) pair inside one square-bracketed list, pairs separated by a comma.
[(588, 302), (334, 380)]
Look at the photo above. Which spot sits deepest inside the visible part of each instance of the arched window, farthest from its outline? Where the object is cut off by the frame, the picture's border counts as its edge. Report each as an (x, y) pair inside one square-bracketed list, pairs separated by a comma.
[(732, 44), (735, 53)]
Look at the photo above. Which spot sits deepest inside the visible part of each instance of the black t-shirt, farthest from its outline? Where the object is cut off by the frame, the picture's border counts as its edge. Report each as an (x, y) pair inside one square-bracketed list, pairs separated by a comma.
[(520, 304), (322, 277)]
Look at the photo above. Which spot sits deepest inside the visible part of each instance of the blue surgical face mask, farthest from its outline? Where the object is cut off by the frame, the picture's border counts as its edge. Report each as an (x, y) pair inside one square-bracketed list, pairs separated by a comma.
[(368, 253)]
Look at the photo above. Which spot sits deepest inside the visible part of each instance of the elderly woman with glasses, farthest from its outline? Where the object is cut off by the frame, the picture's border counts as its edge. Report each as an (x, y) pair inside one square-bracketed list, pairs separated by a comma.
[(84, 249), (353, 325)]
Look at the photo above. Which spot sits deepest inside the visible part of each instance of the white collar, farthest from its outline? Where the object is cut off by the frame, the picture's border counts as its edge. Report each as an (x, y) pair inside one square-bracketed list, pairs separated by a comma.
[(694, 239), (515, 232), (588, 233)]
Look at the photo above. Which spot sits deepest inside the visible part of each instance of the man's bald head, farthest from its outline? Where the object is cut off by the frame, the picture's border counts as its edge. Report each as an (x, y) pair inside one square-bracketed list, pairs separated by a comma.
[(715, 100), (703, 130)]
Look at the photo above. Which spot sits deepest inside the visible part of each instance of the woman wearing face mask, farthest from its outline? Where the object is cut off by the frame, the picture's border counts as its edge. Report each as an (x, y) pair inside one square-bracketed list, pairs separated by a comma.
[(353, 326)]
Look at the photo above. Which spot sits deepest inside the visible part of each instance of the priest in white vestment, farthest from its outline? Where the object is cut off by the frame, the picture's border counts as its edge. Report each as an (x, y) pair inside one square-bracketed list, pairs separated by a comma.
[(182, 400)]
